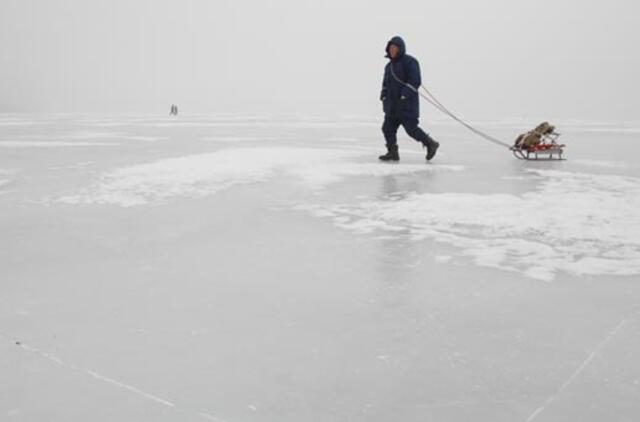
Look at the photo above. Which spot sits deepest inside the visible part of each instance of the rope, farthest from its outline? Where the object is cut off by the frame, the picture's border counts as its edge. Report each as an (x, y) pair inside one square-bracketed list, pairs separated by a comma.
[(431, 99)]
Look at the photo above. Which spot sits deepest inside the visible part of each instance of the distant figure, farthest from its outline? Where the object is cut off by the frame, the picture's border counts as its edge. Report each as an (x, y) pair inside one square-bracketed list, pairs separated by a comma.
[(400, 100), (174, 110)]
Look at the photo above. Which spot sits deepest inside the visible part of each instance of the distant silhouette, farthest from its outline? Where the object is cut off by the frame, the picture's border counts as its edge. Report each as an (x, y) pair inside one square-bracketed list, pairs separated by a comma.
[(174, 110)]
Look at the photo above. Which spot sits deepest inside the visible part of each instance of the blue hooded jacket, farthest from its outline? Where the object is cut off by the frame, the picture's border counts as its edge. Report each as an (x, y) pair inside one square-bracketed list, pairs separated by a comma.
[(398, 99)]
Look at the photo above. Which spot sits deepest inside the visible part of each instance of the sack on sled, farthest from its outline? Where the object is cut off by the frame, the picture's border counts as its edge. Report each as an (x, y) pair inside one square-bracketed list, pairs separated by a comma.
[(535, 136)]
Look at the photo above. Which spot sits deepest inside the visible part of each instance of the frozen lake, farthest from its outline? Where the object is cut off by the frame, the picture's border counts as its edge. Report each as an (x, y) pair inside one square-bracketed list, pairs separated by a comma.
[(269, 268)]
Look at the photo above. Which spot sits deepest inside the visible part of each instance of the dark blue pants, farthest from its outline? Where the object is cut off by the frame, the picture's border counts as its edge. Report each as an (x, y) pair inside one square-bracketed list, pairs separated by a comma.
[(392, 123)]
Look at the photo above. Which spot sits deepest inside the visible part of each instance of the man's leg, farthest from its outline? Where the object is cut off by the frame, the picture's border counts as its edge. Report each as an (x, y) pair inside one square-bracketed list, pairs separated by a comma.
[(390, 130), (414, 131)]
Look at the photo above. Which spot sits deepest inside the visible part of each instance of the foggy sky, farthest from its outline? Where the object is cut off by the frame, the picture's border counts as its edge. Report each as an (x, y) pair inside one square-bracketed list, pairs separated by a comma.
[(494, 59)]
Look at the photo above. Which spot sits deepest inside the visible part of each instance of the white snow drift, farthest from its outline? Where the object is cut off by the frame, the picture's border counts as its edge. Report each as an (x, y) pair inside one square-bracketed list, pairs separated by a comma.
[(205, 174), (581, 224)]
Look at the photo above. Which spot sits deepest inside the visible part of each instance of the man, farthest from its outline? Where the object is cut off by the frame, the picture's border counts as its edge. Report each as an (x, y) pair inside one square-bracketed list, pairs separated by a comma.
[(400, 100)]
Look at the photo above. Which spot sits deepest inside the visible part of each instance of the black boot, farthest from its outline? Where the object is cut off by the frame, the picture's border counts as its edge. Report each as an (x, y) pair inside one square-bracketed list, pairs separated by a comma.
[(392, 153), (432, 146)]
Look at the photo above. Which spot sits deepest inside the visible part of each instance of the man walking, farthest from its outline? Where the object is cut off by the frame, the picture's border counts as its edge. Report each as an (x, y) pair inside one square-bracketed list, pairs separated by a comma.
[(400, 100)]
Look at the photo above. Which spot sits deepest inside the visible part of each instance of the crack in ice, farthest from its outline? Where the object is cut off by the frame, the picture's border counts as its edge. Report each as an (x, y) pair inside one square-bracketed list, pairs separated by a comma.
[(577, 372), (103, 378)]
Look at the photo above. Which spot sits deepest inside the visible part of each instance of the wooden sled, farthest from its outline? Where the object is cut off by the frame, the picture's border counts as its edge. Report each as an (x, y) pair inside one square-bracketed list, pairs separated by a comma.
[(548, 149)]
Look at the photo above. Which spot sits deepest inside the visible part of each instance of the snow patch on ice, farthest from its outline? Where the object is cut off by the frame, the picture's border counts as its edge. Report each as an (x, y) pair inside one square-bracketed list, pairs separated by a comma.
[(51, 144), (6, 176), (577, 223), (143, 138), (91, 136), (18, 122), (76, 166), (609, 130), (288, 124), (341, 139), (602, 163), (205, 174), (239, 138)]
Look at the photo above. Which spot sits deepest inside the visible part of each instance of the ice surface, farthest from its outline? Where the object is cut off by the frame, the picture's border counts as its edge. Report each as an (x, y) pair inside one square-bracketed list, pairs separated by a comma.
[(263, 267)]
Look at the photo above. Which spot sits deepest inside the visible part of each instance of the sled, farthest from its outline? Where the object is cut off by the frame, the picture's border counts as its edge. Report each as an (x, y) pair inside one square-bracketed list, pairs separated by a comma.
[(547, 149)]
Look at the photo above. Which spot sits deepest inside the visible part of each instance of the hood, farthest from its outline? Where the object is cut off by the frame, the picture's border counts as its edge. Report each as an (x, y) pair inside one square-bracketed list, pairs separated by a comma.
[(400, 43)]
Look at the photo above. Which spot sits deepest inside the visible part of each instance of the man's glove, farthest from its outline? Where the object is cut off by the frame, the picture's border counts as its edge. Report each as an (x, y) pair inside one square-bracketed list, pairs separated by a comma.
[(402, 98)]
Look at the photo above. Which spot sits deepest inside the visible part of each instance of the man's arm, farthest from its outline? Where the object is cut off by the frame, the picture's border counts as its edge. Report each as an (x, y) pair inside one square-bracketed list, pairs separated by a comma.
[(383, 93), (413, 78)]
